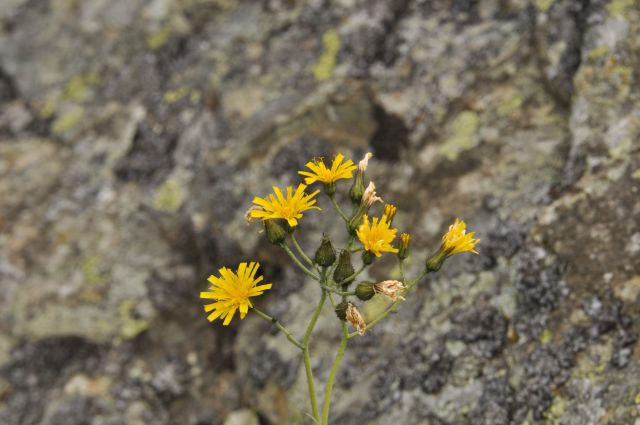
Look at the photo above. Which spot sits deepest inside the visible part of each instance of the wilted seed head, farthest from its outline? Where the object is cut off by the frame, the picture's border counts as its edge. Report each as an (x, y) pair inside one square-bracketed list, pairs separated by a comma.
[(355, 318), (370, 196), (362, 165), (391, 289), (325, 255)]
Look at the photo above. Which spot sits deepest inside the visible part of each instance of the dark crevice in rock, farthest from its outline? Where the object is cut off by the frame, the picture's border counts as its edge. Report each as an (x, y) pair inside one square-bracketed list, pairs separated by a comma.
[(149, 159), (573, 16), (391, 136), (8, 87)]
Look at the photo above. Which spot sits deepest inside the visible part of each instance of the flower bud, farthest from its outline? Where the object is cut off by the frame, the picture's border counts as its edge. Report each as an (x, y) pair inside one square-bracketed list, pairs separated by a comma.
[(341, 311), (325, 255), (344, 269), (390, 211), (434, 262), (355, 318), (275, 233), (405, 243), (365, 291), (391, 289), (367, 257)]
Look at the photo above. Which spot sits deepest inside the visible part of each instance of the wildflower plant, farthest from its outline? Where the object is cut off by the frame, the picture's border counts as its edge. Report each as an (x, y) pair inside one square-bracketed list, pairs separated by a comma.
[(367, 233)]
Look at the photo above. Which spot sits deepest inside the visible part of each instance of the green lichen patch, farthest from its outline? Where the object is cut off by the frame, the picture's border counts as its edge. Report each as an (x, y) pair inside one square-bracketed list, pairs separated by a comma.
[(543, 5), (461, 135), (620, 7), (169, 197), (159, 38), (323, 69), (78, 88), (130, 324), (68, 121), (91, 271)]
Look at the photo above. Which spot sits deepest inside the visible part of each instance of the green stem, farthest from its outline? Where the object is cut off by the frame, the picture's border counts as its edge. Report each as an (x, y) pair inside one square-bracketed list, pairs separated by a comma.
[(352, 277), (337, 291), (298, 263), (393, 307), (307, 356), (300, 251), (334, 372), (280, 326), (338, 209), (402, 271)]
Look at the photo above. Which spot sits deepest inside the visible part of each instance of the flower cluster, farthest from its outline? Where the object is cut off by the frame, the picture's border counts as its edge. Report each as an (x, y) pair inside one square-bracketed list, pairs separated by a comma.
[(368, 233)]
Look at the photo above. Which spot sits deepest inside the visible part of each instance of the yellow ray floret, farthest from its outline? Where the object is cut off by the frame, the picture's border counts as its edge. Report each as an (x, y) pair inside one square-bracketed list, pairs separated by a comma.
[(289, 208), (376, 237), (231, 292), (458, 240), (320, 172)]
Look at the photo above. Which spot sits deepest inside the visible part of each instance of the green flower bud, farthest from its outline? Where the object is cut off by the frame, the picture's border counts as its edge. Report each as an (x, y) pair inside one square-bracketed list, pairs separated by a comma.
[(341, 311), (325, 255), (365, 291), (357, 188), (367, 257), (434, 262), (344, 268), (275, 233)]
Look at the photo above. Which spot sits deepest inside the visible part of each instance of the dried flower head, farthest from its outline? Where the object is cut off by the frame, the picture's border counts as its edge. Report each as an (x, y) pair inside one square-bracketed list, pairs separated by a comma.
[(376, 237), (232, 290), (362, 165), (355, 318), (320, 172), (391, 289), (289, 208), (370, 196)]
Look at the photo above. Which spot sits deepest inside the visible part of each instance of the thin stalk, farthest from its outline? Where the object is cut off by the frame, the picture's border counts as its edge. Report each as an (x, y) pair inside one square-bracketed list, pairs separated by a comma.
[(300, 251), (352, 277), (334, 372), (280, 326), (337, 291), (307, 356), (338, 209), (302, 267)]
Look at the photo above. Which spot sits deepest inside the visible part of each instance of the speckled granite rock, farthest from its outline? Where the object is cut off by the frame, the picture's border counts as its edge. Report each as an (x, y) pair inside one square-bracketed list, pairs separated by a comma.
[(133, 135)]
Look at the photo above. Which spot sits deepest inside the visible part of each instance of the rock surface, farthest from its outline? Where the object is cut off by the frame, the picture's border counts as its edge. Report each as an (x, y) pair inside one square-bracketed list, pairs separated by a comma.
[(134, 134)]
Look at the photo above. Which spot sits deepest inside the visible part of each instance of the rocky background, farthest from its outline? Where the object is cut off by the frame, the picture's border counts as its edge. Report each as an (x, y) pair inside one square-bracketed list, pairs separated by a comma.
[(134, 134)]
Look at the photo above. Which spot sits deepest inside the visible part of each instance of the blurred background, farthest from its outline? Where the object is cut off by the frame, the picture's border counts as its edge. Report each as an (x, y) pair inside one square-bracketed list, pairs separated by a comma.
[(135, 133)]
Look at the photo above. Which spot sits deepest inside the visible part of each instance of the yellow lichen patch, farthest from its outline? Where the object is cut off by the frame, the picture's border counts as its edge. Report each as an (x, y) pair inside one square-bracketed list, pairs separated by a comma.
[(619, 7), (67, 121), (543, 5), (78, 87), (159, 38), (461, 135), (91, 271), (130, 325), (546, 337), (598, 52), (323, 69), (169, 197)]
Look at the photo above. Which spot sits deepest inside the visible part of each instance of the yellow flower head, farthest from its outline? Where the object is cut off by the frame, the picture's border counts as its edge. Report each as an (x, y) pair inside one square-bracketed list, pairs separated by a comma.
[(289, 208), (389, 211), (376, 237), (231, 292), (457, 240), (320, 172)]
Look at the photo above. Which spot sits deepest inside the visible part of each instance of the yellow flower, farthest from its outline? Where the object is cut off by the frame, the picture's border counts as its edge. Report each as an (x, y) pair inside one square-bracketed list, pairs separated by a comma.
[(376, 237), (389, 211), (289, 208), (320, 172), (231, 292), (457, 240)]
